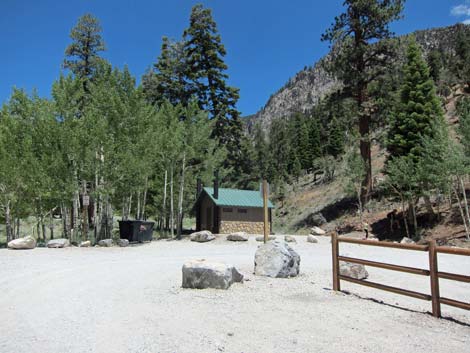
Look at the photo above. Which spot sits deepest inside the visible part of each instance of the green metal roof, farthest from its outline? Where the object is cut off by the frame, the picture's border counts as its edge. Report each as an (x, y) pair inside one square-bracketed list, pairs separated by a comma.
[(239, 198)]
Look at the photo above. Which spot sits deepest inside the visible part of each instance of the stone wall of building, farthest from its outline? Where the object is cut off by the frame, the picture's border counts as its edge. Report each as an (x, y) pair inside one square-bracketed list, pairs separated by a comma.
[(227, 227)]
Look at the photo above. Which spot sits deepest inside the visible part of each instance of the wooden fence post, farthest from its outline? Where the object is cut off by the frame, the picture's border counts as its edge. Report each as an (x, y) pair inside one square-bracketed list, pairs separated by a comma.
[(335, 253), (433, 269), (265, 211)]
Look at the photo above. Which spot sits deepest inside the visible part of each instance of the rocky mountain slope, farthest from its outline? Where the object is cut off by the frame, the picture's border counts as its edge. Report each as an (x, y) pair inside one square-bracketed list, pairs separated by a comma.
[(303, 91)]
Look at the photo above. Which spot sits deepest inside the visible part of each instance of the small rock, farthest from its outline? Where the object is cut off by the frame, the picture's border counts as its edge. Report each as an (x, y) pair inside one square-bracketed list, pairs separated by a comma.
[(200, 274), (123, 243), (58, 243), (312, 239), (276, 259), (27, 242), (407, 240), (317, 231), (356, 271), (317, 219), (106, 243), (238, 236), (289, 239), (202, 236), (85, 244), (270, 238)]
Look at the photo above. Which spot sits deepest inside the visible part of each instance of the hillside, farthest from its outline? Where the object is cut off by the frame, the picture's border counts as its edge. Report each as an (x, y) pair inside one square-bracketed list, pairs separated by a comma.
[(303, 91)]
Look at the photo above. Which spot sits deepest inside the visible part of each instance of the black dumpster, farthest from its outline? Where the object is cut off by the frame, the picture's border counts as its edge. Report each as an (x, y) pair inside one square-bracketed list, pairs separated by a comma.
[(136, 231)]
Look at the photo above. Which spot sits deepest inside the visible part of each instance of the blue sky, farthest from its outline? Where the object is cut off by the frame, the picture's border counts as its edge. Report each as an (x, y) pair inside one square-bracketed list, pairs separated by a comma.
[(267, 41)]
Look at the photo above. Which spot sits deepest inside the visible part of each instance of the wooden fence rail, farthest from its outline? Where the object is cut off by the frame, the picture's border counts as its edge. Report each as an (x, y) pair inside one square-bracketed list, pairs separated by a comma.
[(433, 272)]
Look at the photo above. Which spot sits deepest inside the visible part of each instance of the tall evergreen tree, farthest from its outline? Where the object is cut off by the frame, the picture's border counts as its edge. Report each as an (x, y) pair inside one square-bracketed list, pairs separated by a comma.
[(360, 37), (418, 109), (206, 70), (168, 80), (82, 56), (336, 139)]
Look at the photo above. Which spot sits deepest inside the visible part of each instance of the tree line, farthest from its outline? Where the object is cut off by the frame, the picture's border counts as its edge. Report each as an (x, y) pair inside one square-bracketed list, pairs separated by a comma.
[(102, 145)]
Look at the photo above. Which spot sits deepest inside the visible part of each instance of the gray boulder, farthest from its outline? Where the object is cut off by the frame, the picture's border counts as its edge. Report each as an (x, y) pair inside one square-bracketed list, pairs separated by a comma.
[(317, 219), (202, 236), (58, 243), (270, 238), (201, 274), (289, 239), (123, 243), (312, 239), (276, 259), (105, 243), (27, 242), (407, 240), (356, 271), (85, 244), (238, 236)]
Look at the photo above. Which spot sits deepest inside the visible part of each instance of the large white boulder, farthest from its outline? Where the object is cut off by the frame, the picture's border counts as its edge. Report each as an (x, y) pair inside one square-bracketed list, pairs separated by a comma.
[(312, 239), (356, 271), (58, 243), (201, 274), (317, 231), (238, 236), (276, 259), (27, 242), (290, 239), (85, 244), (202, 236), (406, 240)]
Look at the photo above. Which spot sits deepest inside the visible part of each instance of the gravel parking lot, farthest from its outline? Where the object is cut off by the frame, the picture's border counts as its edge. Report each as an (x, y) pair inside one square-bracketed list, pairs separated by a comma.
[(131, 300)]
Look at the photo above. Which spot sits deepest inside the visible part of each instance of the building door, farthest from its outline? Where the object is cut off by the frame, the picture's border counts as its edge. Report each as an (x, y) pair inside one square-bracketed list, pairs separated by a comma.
[(209, 218)]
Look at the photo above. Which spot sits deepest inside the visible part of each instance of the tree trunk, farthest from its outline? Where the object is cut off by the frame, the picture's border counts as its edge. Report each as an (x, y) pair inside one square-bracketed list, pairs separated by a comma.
[(144, 198), (180, 200), (405, 217), (172, 219), (465, 205), (84, 212), (428, 204), (364, 127), (51, 225), (467, 231), (76, 208), (8, 227), (17, 227), (164, 217), (137, 213)]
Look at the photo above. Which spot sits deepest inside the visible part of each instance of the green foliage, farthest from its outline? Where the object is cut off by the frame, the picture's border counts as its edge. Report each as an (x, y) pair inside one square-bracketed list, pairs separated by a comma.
[(463, 109), (462, 64), (83, 53), (418, 109), (168, 80)]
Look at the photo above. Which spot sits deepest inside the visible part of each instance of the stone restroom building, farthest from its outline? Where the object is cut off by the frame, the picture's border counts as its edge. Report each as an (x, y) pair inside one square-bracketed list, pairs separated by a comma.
[(225, 211)]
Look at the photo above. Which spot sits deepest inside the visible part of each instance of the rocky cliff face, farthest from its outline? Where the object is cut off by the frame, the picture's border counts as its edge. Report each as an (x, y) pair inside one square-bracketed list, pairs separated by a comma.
[(302, 92)]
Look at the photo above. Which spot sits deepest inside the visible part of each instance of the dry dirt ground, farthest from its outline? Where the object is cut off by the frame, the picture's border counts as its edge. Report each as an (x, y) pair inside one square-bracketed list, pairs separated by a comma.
[(130, 300)]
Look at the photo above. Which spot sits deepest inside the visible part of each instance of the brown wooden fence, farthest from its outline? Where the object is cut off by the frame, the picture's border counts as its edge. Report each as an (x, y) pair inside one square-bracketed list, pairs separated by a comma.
[(433, 273)]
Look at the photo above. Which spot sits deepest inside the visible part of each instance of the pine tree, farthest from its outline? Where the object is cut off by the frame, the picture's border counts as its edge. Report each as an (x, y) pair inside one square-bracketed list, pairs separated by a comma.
[(314, 144), (206, 69), (168, 80), (462, 50), (336, 139), (360, 37), (82, 56), (418, 109)]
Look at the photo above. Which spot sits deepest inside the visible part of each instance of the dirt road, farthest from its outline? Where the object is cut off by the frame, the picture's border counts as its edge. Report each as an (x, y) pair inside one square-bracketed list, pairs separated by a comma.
[(129, 300)]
